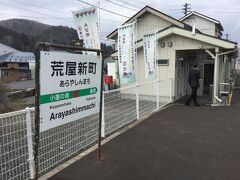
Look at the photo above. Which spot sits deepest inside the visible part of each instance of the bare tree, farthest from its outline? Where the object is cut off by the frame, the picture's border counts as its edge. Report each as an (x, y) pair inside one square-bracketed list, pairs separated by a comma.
[(4, 98)]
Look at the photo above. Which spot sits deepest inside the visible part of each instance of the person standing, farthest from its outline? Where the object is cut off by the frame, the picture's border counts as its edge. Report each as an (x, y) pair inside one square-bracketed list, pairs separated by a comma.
[(193, 80)]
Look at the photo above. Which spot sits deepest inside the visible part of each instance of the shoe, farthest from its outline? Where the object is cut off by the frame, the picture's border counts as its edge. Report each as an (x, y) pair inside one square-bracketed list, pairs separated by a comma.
[(187, 104)]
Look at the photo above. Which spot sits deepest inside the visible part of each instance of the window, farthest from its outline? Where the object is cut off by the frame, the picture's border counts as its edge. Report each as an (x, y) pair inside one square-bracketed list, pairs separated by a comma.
[(170, 44), (162, 44), (163, 62)]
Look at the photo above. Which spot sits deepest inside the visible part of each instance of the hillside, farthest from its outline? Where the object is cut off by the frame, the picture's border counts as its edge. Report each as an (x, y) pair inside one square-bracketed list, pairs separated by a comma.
[(23, 34), (16, 40), (24, 26), (58, 34)]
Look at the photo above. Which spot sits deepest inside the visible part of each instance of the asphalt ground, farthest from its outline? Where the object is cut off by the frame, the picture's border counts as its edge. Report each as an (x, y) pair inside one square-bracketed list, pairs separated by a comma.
[(177, 143)]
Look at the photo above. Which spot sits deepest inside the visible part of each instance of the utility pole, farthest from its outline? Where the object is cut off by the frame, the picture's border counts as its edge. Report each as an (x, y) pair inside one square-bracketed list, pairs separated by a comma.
[(227, 36), (186, 8)]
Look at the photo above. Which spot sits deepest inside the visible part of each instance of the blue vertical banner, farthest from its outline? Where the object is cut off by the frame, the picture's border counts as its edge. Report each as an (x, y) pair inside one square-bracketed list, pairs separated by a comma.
[(149, 49), (126, 54)]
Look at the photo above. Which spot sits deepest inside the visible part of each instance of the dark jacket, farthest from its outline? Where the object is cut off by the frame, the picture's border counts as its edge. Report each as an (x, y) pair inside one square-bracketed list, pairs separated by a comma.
[(193, 78)]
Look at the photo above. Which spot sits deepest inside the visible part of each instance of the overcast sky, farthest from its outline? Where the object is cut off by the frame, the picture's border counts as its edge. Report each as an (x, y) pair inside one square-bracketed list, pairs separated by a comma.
[(58, 12)]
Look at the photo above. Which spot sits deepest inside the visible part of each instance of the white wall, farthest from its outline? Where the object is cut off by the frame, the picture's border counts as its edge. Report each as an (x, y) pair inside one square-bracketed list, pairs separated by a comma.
[(203, 25), (179, 43), (166, 72), (148, 23), (182, 43)]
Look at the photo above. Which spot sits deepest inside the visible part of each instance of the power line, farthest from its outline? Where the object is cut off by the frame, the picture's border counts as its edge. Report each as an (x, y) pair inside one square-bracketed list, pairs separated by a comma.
[(104, 9), (32, 11), (121, 5), (42, 17), (33, 5), (175, 9), (230, 12), (38, 17), (126, 2), (111, 20), (215, 7), (140, 1)]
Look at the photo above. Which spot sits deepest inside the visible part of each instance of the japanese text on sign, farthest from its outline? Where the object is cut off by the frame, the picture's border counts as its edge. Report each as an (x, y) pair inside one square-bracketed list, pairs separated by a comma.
[(60, 68), (126, 53), (69, 87)]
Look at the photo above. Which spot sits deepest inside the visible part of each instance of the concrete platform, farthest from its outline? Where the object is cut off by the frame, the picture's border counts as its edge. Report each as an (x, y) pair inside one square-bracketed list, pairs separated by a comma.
[(178, 143)]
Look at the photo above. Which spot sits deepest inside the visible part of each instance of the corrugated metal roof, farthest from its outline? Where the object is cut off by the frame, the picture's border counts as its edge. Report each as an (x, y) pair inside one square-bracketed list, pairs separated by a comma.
[(6, 49), (18, 57)]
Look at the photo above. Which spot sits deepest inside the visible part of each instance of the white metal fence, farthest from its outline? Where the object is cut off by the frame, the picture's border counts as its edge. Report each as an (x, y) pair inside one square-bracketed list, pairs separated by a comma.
[(56, 145), (63, 142), (119, 108), (125, 105), (14, 154)]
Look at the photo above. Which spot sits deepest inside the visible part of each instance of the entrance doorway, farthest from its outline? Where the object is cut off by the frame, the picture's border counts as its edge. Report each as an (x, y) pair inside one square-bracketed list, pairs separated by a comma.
[(208, 78), (207, 74)]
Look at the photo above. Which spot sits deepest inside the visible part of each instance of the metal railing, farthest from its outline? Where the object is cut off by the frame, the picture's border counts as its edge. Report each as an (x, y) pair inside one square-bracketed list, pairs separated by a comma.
[(125, 105), (14, 152), (58, 144), (120, 108)]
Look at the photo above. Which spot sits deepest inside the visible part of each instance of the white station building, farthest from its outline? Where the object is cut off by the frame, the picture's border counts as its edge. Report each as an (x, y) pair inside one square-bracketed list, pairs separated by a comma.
[(195, 38)]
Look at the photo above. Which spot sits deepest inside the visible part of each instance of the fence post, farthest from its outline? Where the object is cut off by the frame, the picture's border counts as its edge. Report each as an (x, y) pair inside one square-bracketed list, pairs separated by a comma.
[(30, 143), (103, 117), (157, 92), (137, 100), (171, 89)]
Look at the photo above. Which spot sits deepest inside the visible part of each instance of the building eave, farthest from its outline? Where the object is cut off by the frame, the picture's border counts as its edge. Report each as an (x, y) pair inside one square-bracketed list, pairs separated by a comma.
[(173, 30), (202, 16), (205, 38), (168, 18)]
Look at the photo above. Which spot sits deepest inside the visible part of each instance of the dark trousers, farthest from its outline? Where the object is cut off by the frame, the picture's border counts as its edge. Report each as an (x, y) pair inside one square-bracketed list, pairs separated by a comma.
[(193, 96)]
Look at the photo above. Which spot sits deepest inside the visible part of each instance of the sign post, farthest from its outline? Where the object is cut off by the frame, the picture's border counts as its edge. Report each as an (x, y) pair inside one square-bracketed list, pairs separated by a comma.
[(67, 88)]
